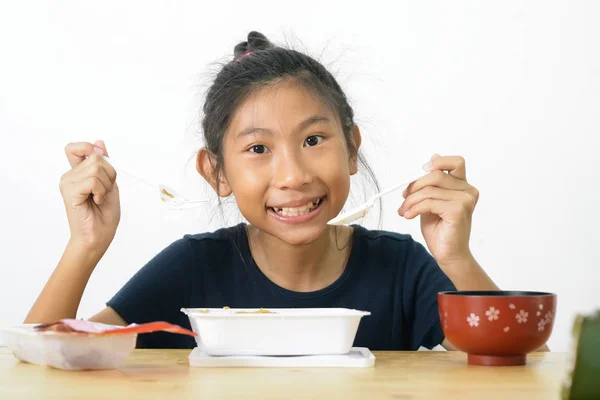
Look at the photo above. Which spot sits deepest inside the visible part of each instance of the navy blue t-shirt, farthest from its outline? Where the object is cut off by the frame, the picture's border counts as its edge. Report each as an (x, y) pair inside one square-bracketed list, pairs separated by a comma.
[(388, 274)]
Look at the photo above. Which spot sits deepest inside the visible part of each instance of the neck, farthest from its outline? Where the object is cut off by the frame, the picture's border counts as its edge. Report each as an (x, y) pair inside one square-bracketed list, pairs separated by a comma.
[(302, 268)]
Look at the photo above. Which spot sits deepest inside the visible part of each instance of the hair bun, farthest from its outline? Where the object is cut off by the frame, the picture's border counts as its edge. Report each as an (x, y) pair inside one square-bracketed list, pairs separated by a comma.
[(256, 41)]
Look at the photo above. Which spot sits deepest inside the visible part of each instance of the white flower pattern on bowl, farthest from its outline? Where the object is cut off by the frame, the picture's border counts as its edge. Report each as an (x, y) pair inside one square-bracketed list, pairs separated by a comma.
[(545, 321), (541, 325), (522, 317), (473, 320), (492, 313)]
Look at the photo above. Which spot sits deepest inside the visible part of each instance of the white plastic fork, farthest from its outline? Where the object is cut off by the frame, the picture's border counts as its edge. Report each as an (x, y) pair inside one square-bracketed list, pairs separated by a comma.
[(168, 195), (363, 210)]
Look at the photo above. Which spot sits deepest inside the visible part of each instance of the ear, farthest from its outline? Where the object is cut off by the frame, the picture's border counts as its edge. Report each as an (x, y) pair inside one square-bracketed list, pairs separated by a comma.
[(206, 165), (353, 160)]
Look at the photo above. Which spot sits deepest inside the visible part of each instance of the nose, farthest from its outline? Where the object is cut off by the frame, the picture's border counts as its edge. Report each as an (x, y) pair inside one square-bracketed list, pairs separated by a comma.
[(290, 171)]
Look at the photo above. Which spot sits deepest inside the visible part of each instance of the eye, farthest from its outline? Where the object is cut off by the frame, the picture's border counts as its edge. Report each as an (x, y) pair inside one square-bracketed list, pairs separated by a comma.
[(258, 149), (313, 140)]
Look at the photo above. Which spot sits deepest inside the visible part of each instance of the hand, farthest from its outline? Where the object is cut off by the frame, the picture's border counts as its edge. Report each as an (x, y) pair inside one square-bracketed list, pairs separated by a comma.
[(91, 195), (445, 202)]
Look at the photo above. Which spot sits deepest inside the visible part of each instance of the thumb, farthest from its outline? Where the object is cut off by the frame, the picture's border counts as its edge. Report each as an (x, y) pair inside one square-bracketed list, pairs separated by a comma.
[(100, 144)]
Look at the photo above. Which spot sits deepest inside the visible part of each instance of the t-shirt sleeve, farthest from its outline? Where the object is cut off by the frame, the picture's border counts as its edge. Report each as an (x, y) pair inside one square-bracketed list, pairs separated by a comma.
[(423, 280), (158, 291)]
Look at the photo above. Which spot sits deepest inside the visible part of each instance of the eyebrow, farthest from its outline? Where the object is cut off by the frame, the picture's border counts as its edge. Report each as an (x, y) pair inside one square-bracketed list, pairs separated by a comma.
[(315, 119)]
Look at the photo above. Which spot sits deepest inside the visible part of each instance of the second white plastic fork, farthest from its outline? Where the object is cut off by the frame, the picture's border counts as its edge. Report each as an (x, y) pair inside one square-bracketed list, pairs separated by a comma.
[(169, 196), (360, 212)]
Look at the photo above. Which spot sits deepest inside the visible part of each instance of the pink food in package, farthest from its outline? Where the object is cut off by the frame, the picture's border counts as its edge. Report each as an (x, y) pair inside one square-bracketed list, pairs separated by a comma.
[(77, 326)]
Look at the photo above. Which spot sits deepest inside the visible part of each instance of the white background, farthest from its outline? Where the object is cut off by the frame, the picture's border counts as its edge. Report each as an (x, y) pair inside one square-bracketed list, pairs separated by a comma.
[(514, 87)]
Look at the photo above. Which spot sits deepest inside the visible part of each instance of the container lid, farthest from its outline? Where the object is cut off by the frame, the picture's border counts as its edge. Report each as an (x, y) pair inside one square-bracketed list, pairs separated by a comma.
[(272, 312)]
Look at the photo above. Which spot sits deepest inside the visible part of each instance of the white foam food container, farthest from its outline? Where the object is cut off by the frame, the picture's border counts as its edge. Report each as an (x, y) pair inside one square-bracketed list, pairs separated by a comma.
[(69, 352), (284, 332)]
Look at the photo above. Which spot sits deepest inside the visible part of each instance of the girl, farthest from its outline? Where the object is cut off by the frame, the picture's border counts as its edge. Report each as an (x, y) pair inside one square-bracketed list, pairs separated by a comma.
[(281, 138)]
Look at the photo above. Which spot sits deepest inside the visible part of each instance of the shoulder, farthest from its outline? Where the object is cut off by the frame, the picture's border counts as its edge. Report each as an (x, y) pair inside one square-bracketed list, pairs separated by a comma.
[(390, 247), (200, 246), (380, 236), (220, 236), (384, 241), (216, 246)]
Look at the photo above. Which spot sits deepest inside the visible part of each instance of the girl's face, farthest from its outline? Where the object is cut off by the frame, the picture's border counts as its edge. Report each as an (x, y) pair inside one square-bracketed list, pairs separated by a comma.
[(287, 163)]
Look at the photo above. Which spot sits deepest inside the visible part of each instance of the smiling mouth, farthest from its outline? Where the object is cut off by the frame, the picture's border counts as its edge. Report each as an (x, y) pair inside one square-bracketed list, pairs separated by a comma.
[(298, 211)]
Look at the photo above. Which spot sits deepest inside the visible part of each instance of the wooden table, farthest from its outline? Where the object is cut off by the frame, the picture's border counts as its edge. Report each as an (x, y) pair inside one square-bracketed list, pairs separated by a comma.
[(165, 374)]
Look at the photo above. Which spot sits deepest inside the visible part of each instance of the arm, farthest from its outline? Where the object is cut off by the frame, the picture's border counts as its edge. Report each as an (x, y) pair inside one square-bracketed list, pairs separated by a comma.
[(469, 276), (445, 201), (472, 277), (62, 293), (91, 200)]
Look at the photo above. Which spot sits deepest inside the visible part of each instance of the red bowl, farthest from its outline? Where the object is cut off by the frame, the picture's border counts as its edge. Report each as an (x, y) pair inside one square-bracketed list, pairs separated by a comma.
[(497, 327)]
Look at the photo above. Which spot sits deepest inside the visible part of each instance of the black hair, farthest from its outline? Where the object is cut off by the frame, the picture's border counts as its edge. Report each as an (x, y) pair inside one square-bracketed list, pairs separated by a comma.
[(256, 64)]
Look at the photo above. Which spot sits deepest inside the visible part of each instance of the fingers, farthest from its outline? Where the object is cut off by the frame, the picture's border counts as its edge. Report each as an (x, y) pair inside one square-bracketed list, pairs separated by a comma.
[(429, 192), (93, 186), (439, 192), (100, 144), (455, 179), (450, 211), (465, 200), (78, 193), (439, 179), (455, 165), (77, 152), (97, 166), (94, 165), (450, 201), (92, 175), (432, 206), (97, 171)]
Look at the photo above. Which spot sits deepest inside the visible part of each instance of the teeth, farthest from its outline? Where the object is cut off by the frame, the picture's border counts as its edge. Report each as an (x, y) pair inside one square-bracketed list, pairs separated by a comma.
[(296, 211)]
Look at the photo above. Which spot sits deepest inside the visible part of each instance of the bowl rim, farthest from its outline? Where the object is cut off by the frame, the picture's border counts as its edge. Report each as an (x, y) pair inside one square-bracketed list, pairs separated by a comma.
[(496, 293)]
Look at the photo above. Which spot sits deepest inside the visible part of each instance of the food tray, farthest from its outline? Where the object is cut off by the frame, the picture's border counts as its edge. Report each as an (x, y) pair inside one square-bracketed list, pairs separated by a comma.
[(275, 332)]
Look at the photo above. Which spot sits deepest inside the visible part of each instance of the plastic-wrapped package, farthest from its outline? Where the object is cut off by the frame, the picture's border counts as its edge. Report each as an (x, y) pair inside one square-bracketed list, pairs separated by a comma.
[(78, 345)]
